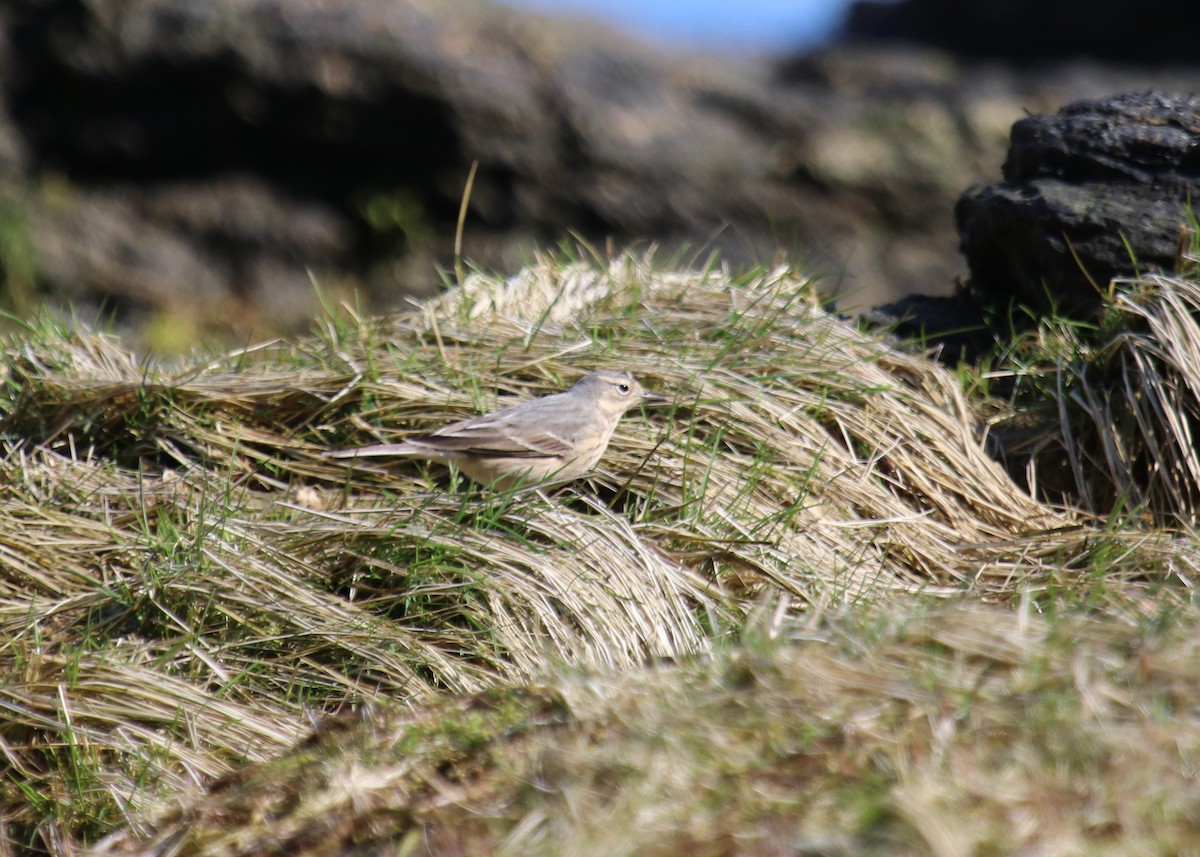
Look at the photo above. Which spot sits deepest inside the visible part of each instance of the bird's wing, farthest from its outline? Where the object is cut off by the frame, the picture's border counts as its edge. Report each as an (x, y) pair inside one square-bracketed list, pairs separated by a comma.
[(476, 439), (487, 436), (532, 430)]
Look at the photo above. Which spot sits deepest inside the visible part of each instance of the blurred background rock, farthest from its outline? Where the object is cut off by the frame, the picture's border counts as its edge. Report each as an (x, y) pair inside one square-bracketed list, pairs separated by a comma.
[(185, 169)]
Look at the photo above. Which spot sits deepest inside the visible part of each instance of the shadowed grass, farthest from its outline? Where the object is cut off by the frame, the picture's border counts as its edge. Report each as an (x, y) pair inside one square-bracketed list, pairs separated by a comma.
[(1117, 430)]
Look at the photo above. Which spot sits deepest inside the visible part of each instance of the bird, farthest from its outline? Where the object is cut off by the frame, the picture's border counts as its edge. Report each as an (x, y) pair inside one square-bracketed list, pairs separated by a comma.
[(560, 436)]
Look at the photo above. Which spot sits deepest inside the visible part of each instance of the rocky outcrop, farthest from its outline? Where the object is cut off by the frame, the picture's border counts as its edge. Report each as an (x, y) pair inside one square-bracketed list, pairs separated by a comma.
[(1149, 31), (1098, 190), (199, 161)]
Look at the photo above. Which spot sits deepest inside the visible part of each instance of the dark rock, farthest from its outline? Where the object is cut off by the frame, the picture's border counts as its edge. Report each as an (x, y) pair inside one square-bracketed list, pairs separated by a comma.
[(956, 327), (365, 117), (178, 153), (1152, 31), (185, 248), (1098, 190)]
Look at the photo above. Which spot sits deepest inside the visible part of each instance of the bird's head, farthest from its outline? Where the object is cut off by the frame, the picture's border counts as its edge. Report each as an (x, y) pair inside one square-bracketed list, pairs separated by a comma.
[(615, 391)]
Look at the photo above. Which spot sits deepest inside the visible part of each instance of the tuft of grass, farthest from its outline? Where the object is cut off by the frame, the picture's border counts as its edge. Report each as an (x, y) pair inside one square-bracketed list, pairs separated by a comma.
[(1108, 415), (941, 730), (187, 585)]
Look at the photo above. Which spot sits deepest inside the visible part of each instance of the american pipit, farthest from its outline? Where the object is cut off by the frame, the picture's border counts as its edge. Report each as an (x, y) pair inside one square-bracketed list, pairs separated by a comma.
[(558, 436)]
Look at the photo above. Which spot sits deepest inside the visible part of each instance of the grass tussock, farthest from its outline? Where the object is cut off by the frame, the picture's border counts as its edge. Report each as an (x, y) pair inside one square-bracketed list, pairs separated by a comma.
[(971, 730), (186, 585), (1113, 413)]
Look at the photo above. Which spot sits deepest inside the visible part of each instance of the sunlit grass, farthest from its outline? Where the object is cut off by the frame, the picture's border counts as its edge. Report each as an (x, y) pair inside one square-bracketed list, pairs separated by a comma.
[(188, 587)]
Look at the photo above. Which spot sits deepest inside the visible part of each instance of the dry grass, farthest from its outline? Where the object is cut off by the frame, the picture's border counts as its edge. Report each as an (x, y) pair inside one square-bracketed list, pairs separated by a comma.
[(967, 731), (1119, 427), (187, 586)]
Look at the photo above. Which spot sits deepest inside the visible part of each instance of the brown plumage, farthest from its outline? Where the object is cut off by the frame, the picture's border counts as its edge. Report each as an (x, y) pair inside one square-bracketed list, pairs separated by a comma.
[(560, 436)]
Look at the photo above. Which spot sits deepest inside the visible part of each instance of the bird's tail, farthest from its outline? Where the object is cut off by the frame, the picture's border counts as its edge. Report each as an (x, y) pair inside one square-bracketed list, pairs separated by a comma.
[(377, 451)]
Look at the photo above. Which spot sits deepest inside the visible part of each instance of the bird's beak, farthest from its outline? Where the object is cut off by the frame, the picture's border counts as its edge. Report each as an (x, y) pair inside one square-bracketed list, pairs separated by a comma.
[(653, 398)]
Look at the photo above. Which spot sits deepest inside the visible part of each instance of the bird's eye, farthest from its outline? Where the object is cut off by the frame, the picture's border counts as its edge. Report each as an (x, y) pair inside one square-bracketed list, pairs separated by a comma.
[(624, 389)]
